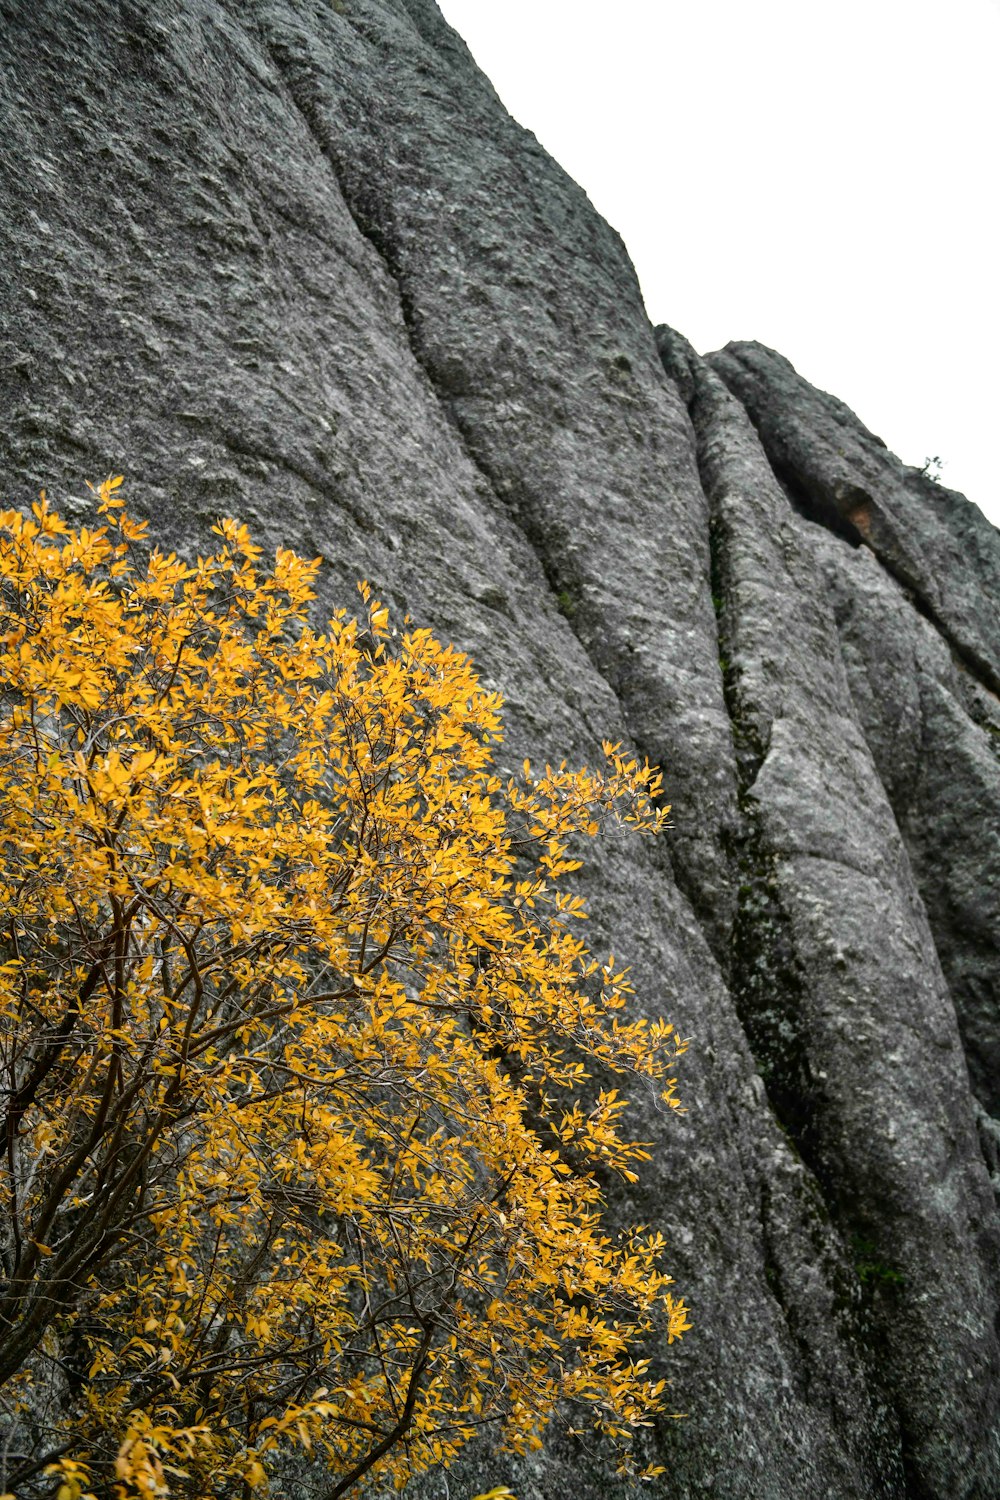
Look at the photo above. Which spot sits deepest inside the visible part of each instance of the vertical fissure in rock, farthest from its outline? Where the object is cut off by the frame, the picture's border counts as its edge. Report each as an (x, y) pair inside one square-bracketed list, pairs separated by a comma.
[(761, 966), (764, 976), (769, 991)]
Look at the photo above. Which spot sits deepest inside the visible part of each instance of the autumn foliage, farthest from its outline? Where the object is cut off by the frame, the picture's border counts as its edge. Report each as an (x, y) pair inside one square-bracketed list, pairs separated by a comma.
[(298, 1040)]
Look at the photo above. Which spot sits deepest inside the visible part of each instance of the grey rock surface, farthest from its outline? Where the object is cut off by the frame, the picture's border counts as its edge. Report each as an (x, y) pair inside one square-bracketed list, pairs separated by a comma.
[(936, 749), (844, 1017), (938, 545), (290, 259)]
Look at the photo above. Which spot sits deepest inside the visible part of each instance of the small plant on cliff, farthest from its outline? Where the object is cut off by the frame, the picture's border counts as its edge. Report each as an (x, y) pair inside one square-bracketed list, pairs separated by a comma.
[(294, 1028), (872, 1270)]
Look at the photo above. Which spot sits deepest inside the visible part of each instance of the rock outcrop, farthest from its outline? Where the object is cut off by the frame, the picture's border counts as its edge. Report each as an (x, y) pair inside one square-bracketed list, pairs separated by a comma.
[(291, 259)]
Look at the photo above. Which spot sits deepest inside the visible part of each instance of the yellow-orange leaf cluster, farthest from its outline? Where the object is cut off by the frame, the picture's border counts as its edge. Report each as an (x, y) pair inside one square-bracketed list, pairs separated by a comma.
[(295, 1029)]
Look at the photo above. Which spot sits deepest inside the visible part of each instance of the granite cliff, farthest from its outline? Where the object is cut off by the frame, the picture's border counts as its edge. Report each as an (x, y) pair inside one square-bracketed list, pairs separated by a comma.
[(291, 259)]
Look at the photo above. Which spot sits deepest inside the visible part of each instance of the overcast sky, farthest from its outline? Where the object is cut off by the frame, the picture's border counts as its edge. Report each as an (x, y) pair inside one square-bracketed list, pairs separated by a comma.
[(822, 177)]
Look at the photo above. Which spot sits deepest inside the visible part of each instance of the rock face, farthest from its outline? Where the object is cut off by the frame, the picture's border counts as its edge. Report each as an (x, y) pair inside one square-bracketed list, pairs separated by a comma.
[(290, 259)]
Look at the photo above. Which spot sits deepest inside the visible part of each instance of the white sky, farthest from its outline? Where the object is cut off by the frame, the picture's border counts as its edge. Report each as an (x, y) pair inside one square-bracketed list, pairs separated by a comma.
[(821, 177)]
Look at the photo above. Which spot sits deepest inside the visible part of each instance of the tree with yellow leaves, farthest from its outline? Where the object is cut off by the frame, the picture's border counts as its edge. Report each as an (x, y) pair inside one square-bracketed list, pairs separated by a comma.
[(295, 1028)]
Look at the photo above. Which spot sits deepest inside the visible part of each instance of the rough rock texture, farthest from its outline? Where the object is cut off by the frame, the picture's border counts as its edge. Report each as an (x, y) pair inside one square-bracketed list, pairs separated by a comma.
[(290, 259)]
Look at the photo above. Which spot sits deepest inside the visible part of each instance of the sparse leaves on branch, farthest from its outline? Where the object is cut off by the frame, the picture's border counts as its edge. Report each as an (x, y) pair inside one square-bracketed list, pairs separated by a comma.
[(296, 1031)]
